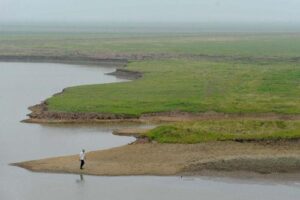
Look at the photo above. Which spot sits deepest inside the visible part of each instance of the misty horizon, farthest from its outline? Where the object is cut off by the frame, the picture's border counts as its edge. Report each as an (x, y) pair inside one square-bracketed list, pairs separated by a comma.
[(140, 11)]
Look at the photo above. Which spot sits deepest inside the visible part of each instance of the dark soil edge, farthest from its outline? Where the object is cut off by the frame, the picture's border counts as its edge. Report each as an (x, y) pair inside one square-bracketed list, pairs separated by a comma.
[(41, 114), (126, 74)]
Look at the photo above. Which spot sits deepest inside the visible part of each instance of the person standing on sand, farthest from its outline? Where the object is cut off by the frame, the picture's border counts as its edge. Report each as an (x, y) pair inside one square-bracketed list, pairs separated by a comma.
[(82, 158)]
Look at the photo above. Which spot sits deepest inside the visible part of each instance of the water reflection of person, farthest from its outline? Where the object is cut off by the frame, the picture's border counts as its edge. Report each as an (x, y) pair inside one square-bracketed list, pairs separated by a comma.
[(81, 177), (81, 180)]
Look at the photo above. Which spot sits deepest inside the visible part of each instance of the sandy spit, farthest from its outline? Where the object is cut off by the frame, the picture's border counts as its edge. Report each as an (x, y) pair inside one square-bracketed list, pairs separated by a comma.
[(179, 159)]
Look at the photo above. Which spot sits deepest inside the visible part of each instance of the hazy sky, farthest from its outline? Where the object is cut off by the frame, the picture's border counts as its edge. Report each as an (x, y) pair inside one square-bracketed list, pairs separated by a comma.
[(150, 10)]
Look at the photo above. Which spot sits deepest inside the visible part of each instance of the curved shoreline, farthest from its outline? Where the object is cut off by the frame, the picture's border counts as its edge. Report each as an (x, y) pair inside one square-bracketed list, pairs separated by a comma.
[(39, 112)]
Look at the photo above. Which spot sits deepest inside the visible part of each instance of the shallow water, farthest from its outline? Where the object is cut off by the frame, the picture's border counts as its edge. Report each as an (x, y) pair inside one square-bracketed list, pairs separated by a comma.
[(24, 84)]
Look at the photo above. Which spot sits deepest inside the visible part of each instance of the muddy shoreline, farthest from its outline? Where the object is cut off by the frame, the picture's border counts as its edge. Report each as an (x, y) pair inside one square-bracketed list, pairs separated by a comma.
[(41, 114)]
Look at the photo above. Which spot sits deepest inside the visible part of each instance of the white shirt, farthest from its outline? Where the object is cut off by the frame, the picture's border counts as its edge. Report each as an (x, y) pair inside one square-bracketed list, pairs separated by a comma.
[(82, 155)]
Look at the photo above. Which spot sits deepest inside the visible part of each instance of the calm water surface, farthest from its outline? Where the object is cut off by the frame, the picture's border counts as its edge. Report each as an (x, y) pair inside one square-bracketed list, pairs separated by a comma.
[(24, 84)]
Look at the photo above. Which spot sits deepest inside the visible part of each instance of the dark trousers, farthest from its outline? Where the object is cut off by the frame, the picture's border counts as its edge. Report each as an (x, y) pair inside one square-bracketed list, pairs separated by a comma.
[(81, 164)]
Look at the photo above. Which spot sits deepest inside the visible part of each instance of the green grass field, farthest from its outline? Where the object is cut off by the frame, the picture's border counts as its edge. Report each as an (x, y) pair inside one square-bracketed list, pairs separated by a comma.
[(238, 130), (193, 86)]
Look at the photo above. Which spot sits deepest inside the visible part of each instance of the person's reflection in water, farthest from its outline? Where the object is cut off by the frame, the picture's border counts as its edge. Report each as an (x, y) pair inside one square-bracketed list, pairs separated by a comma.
[(81, 180)]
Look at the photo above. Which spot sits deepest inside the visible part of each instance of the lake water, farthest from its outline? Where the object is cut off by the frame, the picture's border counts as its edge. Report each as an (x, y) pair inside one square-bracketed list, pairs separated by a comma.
[(25, 84)]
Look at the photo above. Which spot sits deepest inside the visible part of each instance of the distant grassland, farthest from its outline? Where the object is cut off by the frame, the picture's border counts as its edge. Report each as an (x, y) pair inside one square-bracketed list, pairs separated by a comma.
[(216, 44), (238, 130)]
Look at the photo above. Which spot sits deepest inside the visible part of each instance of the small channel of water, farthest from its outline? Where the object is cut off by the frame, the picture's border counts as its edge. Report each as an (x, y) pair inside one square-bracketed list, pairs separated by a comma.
[(25, 84)]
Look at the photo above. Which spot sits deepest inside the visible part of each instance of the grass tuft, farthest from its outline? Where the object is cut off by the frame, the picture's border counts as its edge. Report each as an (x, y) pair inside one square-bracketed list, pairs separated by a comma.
[(225, 130)]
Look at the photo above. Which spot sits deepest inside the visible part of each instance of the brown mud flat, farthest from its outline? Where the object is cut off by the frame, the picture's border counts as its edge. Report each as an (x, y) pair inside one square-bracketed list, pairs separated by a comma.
[(181, 159)]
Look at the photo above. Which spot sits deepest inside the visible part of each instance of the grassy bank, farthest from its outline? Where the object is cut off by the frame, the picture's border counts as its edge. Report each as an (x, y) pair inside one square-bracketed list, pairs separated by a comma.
[(191, 86), (226, 130)]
